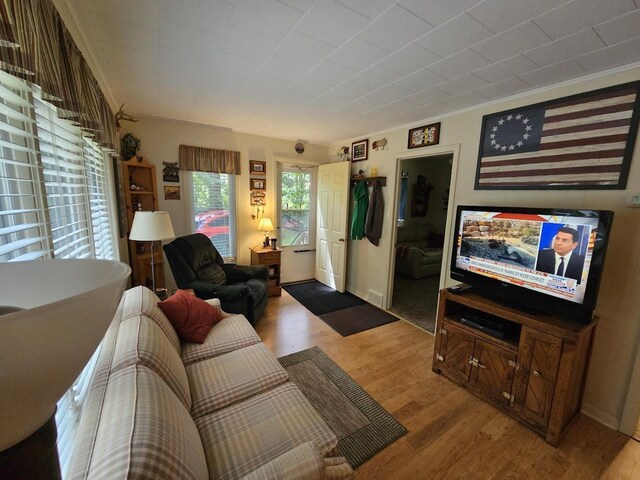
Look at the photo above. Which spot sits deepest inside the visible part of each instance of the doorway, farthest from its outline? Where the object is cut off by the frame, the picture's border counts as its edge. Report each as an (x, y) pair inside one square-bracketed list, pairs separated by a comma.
[(420, 220)]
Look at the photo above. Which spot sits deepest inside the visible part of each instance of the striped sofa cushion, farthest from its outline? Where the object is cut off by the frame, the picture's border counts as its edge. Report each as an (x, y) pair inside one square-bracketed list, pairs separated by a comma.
[(144, 432), (142, 301), (228, 378), (304, 462), (140, 340), (246, 435), (229, 334)]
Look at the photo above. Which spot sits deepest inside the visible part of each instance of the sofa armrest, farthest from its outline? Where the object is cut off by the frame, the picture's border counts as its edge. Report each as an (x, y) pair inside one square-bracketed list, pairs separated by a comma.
[(242, 273), (303, 462), (226, 293), (215, 302)]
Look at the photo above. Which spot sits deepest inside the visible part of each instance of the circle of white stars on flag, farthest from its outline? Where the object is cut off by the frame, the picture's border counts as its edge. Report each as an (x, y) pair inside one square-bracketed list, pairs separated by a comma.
[(527, 127)]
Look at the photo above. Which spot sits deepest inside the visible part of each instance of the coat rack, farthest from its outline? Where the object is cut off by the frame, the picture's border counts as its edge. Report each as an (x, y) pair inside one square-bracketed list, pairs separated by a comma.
[(369, 180)]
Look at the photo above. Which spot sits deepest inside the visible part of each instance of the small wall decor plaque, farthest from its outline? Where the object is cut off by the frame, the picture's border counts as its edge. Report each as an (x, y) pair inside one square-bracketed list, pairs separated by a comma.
[(257, 167), (360, 150), (257, 184), (170, 172), (171, 192), (424, 136)]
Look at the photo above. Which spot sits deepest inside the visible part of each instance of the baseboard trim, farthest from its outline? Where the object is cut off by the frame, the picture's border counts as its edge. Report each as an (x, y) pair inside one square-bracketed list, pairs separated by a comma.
[(601, 417)]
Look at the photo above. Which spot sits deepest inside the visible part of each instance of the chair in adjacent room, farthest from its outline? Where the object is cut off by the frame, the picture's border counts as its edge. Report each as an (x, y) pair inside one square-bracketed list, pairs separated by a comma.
[(196, 264)]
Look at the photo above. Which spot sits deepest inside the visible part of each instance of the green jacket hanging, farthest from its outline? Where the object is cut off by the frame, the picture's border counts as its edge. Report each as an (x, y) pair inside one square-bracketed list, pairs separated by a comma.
[(360, 194)]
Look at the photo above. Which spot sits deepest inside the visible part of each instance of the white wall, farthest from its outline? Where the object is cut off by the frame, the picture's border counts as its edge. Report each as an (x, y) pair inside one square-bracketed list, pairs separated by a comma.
[(159, 142), (619, 302)]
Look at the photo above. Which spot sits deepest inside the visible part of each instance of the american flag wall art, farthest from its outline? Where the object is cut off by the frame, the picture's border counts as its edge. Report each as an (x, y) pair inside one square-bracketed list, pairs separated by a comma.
[(580, 142)]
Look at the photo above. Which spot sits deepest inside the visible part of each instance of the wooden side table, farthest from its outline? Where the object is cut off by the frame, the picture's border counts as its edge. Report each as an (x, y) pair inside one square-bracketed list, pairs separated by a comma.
[(271, 258)]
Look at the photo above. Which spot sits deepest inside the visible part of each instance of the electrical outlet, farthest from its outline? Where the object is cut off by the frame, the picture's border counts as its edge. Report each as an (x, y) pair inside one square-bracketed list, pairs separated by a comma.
[(633, 200)]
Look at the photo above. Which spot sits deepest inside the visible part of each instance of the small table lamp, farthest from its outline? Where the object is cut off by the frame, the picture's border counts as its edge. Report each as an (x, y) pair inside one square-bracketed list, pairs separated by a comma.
[(151, 227), (266, 226)]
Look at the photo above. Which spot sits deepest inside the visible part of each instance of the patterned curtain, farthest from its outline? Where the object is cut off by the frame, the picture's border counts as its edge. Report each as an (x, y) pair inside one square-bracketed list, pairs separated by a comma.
[(200, 159), (37, 47)]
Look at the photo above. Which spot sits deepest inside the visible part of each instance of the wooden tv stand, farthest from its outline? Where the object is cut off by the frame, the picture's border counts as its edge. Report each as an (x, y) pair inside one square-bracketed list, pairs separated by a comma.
[(535, 373)]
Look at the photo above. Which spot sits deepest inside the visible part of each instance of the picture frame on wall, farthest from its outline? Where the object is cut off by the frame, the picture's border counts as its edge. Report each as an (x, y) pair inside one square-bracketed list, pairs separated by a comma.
[(424, 136), (171, 192), (257, 167), (257, 184), (360, 150)]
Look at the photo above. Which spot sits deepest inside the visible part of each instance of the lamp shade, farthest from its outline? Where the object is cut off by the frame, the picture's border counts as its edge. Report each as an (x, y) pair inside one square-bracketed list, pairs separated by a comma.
[(64, 309), (265, 225), (151, 227)]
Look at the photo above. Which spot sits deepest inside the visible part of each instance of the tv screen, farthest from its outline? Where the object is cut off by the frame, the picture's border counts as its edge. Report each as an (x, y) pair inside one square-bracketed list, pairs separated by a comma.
[(547, 259)]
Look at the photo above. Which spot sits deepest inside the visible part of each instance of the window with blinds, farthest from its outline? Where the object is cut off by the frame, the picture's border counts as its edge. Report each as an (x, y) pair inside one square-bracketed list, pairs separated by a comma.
[(214, 210), (54, 203)]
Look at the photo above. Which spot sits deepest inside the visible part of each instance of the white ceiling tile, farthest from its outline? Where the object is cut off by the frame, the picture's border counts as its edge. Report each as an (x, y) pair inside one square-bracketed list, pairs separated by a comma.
[(455, 35), (311, 86), (459, 63), (376, 77), (394, 108), (350, 90), (394, 29), (512, 42), (204, 15), (357, 54), (301, 5), (304, 49), (420, 80), (352, 109), (142, 12), (132, 57), (620, 29), (409, 59), (390, 93), (331, 73), (566, 48), (427, 96), (245, 44), (269, 18), (331, 22), (580, 14), (503, 88), (436, 12), (554, 73), (283, 69), (464, 100), (187, 39), (620, 54), (328, 100), (462, 84), (231, 65), (506, 68), (369, 8), (126, 34), (500, 15)]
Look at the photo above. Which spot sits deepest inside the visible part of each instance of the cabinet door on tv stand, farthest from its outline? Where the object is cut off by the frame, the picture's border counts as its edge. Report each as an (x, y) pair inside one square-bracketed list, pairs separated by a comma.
[(538, 358), (493, 370), (456, 349)]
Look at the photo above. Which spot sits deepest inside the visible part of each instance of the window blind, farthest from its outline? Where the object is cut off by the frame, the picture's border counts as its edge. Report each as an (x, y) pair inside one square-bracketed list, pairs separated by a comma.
[(23, 231)]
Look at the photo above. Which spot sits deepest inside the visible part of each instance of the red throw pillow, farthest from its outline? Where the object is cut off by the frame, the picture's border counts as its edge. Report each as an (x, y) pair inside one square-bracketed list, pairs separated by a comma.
[(191, 316)]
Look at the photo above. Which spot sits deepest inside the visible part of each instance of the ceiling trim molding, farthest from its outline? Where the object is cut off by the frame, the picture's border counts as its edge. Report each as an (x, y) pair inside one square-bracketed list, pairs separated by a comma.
[(70, 19)]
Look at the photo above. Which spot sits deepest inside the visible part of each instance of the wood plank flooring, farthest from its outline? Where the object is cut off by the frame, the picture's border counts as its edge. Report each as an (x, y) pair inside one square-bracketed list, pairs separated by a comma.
[(452, 433)]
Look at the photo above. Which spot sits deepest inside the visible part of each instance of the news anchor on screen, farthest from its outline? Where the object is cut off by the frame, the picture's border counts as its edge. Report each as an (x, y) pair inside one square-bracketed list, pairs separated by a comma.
[(562, 259)]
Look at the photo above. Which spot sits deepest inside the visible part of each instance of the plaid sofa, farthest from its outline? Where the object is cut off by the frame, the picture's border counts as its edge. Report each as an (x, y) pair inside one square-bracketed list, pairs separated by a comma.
[(159, 409)]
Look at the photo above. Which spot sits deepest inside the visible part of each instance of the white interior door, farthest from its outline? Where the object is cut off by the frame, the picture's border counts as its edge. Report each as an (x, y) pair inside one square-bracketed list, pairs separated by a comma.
[(332, 208)]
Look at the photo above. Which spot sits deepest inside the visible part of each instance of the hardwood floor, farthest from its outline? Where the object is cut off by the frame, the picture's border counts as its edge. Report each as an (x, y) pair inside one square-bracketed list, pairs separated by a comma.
[(452, 433)]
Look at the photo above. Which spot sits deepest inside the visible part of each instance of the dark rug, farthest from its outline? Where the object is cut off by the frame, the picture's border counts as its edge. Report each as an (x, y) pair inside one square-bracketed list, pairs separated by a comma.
[(362, 426), (320, 299), (357, 319)]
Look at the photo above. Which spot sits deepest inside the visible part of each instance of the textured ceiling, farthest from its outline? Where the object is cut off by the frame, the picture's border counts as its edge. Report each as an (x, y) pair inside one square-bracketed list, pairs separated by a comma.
[(325, 70)]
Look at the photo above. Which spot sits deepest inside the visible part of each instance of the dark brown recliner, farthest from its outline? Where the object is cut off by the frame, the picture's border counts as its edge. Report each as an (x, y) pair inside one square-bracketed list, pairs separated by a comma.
[(196, 264)]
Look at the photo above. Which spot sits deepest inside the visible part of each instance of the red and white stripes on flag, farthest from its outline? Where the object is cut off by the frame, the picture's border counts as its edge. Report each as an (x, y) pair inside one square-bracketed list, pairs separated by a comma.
[(586, 141)]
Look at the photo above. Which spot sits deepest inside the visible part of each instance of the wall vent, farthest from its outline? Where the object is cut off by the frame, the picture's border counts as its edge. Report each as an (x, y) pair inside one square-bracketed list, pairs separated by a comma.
[(375, 298)]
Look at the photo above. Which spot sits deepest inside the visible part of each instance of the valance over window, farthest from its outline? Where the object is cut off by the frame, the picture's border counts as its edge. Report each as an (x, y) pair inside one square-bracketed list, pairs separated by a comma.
[(200, 159), (37, 47)]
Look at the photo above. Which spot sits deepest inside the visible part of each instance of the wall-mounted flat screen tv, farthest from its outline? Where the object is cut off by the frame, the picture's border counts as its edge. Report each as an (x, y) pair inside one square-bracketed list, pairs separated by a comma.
[(543, 259)]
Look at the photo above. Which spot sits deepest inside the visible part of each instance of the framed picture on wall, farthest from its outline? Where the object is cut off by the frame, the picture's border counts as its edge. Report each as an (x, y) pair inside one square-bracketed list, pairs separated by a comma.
[(171, 192), (257, 167), (424, 136), (257, 184), (360, 150)]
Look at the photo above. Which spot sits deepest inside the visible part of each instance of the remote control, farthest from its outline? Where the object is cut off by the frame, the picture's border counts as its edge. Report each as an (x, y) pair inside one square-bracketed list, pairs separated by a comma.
[(460, 288)]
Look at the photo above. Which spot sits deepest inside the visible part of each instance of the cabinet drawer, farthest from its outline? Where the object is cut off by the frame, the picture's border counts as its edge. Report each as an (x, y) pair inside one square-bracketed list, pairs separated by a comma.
[(269, 258)]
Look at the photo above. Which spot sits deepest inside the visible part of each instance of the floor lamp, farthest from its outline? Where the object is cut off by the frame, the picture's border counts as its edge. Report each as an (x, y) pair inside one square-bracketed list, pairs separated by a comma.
[(151, 227), (53, 314)]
